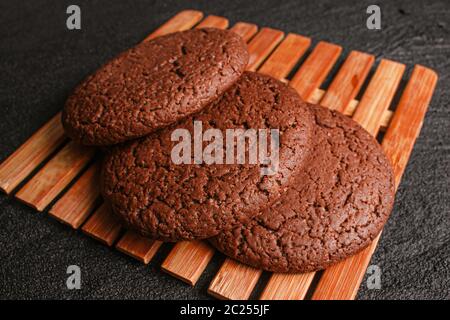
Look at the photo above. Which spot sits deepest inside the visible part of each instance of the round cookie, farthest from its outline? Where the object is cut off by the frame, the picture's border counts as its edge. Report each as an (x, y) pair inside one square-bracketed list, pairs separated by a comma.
[(154, 84), (171, 202), (338, 205)]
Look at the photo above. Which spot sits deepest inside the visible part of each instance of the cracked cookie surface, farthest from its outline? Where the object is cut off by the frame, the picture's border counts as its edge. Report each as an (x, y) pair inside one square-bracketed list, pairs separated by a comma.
[(337, 206), (153, 85), (171, 202)]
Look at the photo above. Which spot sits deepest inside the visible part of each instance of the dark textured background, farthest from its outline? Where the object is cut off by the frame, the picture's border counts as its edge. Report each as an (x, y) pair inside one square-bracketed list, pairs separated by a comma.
[(41, 61)]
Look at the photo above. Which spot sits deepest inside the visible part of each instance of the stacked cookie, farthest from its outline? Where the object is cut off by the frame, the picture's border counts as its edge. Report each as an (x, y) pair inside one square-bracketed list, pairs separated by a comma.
[(327, 193)]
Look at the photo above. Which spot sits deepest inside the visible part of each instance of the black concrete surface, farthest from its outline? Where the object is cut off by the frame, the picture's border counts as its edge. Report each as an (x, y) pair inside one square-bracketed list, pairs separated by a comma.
[(41, 61)]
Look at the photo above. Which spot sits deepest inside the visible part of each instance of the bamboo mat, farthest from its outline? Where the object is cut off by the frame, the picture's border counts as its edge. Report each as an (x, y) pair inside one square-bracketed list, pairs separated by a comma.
[(51, 164)]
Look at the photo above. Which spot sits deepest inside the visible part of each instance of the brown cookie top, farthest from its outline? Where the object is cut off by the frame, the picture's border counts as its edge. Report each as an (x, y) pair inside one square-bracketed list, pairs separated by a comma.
[(169, 201), (154, 84), (337, 206)]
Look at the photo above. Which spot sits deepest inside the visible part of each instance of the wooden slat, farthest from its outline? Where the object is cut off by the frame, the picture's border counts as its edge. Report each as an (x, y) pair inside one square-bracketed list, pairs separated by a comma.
[(342, 280), (408, 119), (348, 81), (234, 281), (187, 260), (262, 45), (138, 247), (245, 30), (286, 55), (75, 206), (182, 21), (315, 69), (287, 286), (32, 153), (214, 22), (379, 92), (343, 89), (55, 175), (103, 225), (142, 248), (196, 252)]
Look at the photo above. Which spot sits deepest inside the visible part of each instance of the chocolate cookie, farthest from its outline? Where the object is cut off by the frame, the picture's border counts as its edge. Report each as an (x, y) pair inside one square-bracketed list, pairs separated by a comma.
[(337, 206), (154, 84), (168, 201)]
